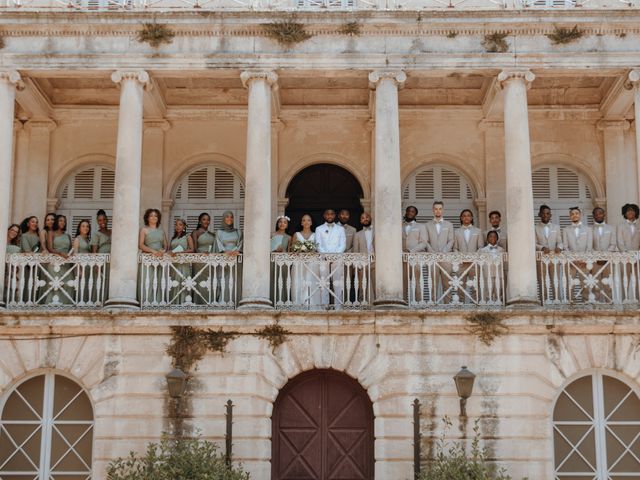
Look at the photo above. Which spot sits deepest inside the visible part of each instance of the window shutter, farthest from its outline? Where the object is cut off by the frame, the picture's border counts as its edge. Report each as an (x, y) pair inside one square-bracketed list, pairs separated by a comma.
[(541, 183), (83, 184), (197, 185), (568, 184), (223, 184), (450, 185), (424, 186), (107, 183)]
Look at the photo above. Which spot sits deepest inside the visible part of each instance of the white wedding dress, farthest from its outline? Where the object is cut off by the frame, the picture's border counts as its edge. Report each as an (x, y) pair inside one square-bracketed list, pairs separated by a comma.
[(305, 276)]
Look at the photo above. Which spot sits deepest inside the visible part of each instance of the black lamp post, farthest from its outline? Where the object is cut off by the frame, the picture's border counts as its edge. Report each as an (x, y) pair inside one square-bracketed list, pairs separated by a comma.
[(177, 382), (464, 384)]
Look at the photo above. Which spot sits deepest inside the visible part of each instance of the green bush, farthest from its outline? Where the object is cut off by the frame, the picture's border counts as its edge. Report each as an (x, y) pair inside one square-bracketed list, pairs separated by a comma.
[(192, 459), (452, 462)]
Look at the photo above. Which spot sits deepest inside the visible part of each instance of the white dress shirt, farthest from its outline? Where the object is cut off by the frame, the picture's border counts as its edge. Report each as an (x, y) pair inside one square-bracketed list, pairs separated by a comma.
[(331, 238)]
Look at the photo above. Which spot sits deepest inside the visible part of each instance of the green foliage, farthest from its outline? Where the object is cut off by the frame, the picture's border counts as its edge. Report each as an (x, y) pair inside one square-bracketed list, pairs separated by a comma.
[(217, 340), (351, 28), (452, 462), (274, 334), (1, 42), (496, 42), (187, 347), (452, 34), (155, 34), (563, 35), (287, 31), (189, 458), (487, 326)]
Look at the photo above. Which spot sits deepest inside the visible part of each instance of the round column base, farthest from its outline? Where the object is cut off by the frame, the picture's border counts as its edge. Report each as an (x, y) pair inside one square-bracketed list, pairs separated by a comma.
[(122, 304), (257, 303), (389, 304), (523, 303)]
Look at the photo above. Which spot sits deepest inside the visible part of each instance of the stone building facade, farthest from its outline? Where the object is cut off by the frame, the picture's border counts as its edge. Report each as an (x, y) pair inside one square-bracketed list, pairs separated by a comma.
[(483, 106)]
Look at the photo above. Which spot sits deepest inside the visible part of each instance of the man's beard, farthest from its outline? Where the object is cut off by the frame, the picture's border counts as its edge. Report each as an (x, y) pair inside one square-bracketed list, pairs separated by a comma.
[(368, 224)]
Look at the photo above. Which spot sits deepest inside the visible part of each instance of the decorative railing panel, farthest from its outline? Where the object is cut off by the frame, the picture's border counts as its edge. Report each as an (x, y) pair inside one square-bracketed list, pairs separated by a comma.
[(596, 278), (454, 279), (35, 280), (188, 280), (315, 281)]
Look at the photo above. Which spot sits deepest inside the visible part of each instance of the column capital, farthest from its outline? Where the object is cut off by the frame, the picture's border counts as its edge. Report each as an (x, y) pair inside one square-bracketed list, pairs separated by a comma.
[(52, 204), (167, 203), (270, 76), (509, 74), (41, 123), (11, 77), (161, 124), (140, 76), (633, 79), (398, 76), (17, 125), (610, 124)]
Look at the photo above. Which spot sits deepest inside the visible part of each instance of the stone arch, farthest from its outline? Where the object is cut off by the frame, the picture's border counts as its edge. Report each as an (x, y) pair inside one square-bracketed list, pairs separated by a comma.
[(76, 166), (574, 163)]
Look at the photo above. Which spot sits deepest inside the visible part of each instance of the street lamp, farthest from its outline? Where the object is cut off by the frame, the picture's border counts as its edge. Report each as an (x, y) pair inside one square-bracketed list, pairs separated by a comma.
[(177, 382), (464, 384)]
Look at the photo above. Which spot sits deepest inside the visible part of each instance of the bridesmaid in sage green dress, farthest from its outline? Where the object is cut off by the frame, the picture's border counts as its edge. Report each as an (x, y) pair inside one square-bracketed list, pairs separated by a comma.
[(229, 240), (82, 245), (152, 240), (101, 243), (59, 244), (13, 246), (279, 244), (180, 243), (29, 243), (49, 223), (204, 241)]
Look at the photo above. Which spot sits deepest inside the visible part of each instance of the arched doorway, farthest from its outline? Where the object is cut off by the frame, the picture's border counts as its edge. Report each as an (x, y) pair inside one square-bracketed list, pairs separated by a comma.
[(322, 429), (323, 186)]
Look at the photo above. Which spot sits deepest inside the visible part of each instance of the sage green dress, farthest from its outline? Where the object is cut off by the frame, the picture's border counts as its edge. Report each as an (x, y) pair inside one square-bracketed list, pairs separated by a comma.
[(11, 290), (103, 242), (203, 294), (29, 243), (154, 239), (229, 240), (279, 282), (60, 273), (179, 273), (86, 281)]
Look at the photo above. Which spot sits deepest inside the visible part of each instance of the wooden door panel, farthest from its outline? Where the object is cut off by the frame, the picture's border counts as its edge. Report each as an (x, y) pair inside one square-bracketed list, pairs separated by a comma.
[(322, 429)]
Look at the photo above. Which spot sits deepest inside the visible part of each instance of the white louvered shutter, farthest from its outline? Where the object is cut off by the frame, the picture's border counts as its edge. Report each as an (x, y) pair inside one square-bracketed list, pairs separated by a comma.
[(86, 192), (210, 189), (438, 183), (562, 188)]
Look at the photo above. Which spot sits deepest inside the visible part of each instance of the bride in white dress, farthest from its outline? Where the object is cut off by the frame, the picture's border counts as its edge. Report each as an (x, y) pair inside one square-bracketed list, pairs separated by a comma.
[(305, 287)]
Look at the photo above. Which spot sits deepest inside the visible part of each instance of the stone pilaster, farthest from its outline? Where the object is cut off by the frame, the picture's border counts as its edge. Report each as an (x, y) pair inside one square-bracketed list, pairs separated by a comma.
[(388, 189), (126, 202), (634, 80), (522, 280), (619, 184), (257, 207)]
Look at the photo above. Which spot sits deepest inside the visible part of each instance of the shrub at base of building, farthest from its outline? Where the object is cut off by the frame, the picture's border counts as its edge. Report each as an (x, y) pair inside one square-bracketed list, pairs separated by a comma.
[(191, 458)]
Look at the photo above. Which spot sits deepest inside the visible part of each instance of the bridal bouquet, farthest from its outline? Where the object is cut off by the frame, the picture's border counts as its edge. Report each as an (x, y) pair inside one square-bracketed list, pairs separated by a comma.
[(304, 247)]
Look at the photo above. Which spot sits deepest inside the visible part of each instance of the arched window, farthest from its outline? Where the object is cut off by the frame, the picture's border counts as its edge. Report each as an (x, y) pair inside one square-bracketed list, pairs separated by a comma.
[(596, 430), (82, 195), (209, 189), (562, 188), (439, 183), (46, 431)]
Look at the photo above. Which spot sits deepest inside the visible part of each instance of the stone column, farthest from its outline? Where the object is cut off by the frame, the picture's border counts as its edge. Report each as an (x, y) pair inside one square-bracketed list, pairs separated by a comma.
[(9, 81), (257, 203), (620, 185), (634, 79), (387, 218), (126, 201), (494, 166), (522, 279), (153, 167)]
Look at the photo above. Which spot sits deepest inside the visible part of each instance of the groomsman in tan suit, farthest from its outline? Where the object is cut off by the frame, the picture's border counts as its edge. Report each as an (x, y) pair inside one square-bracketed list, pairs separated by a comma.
[(604, 235), (440, 240), (548, 236), (495, 217), (349, 231), (363, 242), (467, 238), (629, 231), (414, 240), (577, 237)]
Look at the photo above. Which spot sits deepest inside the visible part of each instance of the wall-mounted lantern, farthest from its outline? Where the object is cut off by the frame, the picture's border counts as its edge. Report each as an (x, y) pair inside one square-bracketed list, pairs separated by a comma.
[(177, 382), (464, 384)]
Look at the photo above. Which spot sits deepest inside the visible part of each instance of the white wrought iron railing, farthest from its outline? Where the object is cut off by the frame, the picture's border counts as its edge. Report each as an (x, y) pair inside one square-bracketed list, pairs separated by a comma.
[(301, 5), (188, 281), (35, 280), (317, 281), (596, 278), (454, 279)]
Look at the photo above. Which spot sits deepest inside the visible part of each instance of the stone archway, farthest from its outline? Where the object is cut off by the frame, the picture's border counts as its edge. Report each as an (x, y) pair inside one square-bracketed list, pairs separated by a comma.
[(322, 428), (323, 186)]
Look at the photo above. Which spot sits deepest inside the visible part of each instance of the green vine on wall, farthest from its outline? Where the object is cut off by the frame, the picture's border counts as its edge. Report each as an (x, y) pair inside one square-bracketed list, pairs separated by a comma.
[(274, 334), (352, 29), (563, 35), (487, 326), (287, 31), (496, 42), (1, 42), (155, 34)]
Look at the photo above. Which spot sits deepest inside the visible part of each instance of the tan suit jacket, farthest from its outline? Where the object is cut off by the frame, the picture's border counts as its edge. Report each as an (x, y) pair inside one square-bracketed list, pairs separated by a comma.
[(555, 237), (414, 237), (628, 241), (502, 237), (440, 243), (474, 244), (607, 241), (360, 242), (350, 232), (583, 242)]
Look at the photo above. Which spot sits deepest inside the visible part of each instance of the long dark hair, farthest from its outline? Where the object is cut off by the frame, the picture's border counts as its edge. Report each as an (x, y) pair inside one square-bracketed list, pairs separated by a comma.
[(24, 225), (148, 213), (312, 224), (84, 220), (465, 211), (200, 217), (184, 232), (15, 240), (56, 225), (50, 214)]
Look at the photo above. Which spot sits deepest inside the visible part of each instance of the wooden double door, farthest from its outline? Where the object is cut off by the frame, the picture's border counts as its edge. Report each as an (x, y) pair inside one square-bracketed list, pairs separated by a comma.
[(322, 429)]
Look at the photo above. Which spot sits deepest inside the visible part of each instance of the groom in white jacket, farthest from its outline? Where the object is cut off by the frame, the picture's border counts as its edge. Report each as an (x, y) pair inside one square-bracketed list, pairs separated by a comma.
[(331, 238)]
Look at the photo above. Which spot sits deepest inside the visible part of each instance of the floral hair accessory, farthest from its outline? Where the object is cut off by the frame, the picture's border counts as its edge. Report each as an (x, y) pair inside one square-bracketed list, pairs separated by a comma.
[(283, 216)]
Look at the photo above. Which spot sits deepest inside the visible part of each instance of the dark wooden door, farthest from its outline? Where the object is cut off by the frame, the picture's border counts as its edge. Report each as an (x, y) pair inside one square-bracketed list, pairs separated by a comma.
[(322, 429), (323, 186)]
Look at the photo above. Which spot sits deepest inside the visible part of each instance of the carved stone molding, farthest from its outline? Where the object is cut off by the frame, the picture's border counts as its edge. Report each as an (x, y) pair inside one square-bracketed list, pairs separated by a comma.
[(518, 74), (41, 123), (617, 124), (138, 75), (12, 77), (398, 76), (270, 76), (161, 124)]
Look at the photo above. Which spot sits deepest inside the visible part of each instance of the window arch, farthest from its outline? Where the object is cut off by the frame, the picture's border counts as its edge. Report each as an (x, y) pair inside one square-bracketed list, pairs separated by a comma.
[(210, 189), (439, 183), (84, 193), (596, 430), (562, 188), (46, 430)]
